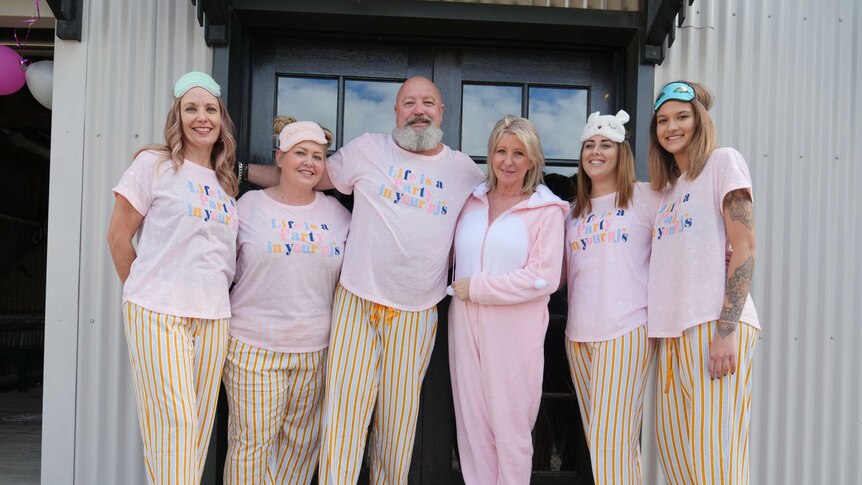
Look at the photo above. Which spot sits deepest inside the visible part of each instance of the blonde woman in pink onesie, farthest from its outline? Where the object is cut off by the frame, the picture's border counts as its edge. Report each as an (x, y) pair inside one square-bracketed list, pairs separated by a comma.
[(290, 249), (700, 311), (608, 241), (508, 254)]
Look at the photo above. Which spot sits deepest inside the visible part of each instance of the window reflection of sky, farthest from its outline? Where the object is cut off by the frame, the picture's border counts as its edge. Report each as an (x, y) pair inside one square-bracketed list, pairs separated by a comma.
[(483, 106), (369, 107), (309, 99), (559, 115)]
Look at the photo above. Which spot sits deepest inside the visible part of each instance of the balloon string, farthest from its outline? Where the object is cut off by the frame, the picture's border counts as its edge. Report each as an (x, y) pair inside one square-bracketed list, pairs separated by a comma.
[(23, 45)]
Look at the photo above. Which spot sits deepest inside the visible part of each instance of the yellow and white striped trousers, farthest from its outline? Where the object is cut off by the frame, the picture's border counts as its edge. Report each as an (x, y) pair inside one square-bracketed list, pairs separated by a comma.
[(275, 402), (377, 361), (702, 424), (610, 377), (177, 364)]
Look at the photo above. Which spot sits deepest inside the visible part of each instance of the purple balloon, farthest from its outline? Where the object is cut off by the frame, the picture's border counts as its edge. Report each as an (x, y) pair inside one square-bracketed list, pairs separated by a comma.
[(11, 74)]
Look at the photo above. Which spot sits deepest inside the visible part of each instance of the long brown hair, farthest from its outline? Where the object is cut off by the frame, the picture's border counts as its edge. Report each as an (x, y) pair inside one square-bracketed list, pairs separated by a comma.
[(222, 157), (704, 140), (625, 181)]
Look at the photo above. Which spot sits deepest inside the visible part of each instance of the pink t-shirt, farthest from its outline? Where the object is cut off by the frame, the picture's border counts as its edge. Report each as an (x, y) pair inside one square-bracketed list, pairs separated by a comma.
[(186, 251), (607, 257), (289, 258), (690, 250), (404, 214)]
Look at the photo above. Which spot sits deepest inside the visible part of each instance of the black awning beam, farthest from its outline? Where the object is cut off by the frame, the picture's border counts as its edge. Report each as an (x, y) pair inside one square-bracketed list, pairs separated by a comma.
[(68, 14), (212, 16), (660, 16)]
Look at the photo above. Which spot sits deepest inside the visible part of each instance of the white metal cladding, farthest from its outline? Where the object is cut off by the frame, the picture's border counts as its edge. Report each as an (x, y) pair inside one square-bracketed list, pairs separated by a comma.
[(120, 79), (786, 75)]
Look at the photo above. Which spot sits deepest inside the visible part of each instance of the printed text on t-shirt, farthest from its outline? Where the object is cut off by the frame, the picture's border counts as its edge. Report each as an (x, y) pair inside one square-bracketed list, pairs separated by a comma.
[(410, 189), (293, 237), (211, 204), (599, 228), (673, 218)]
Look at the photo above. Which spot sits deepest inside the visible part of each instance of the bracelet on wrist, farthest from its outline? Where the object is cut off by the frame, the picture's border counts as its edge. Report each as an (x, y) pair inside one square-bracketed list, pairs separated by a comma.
[(241, 172)]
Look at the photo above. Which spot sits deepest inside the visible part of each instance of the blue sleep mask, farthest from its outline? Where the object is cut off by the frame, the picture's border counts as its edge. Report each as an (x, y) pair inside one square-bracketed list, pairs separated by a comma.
[(674, 91)]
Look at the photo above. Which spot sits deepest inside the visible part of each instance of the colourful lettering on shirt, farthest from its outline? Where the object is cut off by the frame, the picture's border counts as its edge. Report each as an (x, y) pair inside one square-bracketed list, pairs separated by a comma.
[(211, 204), (672, 218), (599, 228), (409, 189), (290, 237)]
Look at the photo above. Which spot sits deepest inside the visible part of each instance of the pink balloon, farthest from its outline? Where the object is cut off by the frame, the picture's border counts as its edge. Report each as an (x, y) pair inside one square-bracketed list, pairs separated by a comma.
[(11, 74)]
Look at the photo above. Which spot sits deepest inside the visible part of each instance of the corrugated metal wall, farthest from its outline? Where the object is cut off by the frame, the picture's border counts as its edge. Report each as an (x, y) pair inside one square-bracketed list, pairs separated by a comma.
[(787, 77), (131, 54)]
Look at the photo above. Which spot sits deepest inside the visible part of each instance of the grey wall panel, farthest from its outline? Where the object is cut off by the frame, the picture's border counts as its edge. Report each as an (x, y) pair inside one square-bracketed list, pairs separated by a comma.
[(130, 57), (786, 75)]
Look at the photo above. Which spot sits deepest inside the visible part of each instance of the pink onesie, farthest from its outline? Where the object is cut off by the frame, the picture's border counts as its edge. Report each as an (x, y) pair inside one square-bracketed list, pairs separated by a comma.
[(496, 340), (607, 257), (289, 259)]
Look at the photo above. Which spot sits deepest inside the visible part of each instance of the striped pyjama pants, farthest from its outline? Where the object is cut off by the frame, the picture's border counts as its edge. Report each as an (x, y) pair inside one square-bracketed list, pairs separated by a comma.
[(176, 365), (702, 424), (276, 400), (377, 361), (610, 377)]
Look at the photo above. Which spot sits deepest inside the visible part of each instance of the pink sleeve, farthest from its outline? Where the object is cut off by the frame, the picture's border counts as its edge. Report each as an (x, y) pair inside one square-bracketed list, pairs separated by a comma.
[(731, 174), (543, 266), (564, 270), (136, 184), (343, 165), (647, 201)]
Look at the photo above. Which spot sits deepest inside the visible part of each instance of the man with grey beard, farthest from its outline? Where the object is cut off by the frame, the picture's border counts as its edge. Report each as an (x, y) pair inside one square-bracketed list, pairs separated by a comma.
[(417, 140), (408, 191)]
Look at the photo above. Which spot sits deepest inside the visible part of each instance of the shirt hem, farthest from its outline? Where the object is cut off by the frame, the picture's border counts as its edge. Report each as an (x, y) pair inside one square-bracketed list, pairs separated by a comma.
[(612, 336), (381, 301), (283, 350), (671, 334), (183, 313)]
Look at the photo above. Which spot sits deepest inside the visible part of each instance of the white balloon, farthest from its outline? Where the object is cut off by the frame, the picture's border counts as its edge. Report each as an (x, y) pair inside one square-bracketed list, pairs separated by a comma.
[(40, 81)]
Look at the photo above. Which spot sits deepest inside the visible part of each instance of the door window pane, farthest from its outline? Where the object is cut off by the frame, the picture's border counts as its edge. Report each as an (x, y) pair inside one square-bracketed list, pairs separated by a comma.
[(559, 115), (483, 105), (309, 99), (369, 107)]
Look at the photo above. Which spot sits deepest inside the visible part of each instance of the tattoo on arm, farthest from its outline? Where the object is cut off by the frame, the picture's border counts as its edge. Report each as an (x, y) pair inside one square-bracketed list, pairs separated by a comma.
[(736, 292), (724, 328), (738, 205)]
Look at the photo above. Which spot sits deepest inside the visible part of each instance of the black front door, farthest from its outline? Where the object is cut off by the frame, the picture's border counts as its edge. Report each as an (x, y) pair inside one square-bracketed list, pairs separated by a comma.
[(349, 86)]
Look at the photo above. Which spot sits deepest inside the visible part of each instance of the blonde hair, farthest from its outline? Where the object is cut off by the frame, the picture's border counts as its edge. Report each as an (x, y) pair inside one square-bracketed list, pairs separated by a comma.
[(280, 122), (524, 130), (625, 181), (222, 156), (704, 140)]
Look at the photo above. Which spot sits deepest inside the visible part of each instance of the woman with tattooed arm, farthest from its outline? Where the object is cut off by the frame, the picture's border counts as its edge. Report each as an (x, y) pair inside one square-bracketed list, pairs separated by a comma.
[(699, 306)]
